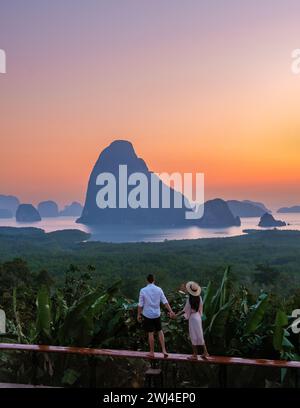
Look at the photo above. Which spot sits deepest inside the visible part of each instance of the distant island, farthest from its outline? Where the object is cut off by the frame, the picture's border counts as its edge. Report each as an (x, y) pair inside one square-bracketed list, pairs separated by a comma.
[(48, 209), (11, 207), (121, 152), (258, 204), (8, 206), (72, 210), (247, 208), (289, 210), (4, 213), (27, 213), (267, 221), (217, 213)]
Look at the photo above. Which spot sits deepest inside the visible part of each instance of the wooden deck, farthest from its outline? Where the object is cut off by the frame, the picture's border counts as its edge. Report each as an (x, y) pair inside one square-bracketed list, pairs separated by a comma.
[(10, 385), (219, 360)]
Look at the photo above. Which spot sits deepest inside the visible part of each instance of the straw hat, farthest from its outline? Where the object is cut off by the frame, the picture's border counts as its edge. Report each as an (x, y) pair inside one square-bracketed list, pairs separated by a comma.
[(193, 288)]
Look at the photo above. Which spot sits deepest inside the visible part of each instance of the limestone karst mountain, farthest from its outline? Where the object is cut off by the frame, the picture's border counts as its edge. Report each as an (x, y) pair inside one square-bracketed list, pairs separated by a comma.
[(246, 208), (5, 213), (71, 210), (27, 213), (48, 209), (121, 152), (10, 203), (289, 210), (258, 204), (267, 220)]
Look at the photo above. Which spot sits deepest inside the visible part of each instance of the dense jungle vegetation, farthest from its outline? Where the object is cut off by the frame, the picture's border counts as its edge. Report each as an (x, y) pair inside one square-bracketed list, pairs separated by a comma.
[(261, 259), (56, 289)]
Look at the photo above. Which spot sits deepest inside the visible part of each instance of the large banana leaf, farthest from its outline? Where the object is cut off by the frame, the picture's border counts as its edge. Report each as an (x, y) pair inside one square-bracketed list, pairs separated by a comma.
[(280, 337), (213, 302), (60, 309), (219, 320), (78, 323), (43, 322), (281, 321), (257, 314), (220, 297), (286, 344), (21, 336), (207, 301), (224, 287), (78, 326)]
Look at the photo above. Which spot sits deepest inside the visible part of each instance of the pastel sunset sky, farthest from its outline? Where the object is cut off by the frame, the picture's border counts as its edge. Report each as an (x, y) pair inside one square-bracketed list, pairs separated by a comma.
[(195, 85)]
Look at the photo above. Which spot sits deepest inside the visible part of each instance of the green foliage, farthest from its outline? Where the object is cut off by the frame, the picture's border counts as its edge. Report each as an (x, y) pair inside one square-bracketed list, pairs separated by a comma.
[(266, 275), (257, 313), (214, 301), (281, 336), (83, 308), (79, 323), (216, 309), (70, 376), (281, 322), (43, 322), (18, 325), (268, 260)]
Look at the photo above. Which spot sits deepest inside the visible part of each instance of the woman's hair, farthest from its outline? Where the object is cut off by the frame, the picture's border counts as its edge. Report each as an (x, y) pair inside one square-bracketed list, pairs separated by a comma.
[(194, 302)]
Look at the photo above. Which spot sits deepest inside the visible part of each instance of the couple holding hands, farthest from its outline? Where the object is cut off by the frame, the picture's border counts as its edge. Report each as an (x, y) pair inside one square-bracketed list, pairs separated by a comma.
[(151, 296)]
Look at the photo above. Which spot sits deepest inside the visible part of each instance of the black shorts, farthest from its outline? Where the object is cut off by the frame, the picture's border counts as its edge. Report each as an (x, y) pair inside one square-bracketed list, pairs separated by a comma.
[(151, 325)]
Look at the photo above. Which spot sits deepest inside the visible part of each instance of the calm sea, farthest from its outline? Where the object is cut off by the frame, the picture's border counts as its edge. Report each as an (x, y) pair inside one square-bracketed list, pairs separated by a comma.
[(127, 234)]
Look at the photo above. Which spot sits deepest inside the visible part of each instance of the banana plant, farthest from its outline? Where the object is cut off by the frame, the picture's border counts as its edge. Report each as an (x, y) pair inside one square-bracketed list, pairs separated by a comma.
[(281, 342), (249, 328), (256, 314), (216, 310), (214, 301), (75, 325), (79, 323), (43, 322), (217, 326), (20, 334)]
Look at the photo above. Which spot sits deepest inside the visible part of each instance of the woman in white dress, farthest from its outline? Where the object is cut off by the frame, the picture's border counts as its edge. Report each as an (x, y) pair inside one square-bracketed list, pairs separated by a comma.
[(193, 313)]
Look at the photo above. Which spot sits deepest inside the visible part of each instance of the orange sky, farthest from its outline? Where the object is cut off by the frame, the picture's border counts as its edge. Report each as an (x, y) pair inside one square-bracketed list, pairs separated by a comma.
[(195, 88)]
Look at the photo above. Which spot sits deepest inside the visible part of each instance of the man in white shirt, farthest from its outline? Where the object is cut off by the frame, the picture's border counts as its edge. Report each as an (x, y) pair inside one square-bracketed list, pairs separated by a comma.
[(151, 296)]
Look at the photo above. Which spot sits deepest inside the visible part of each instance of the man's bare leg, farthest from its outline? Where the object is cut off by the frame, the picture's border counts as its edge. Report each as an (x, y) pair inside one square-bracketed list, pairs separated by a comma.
[(161, 338), (151, 344)]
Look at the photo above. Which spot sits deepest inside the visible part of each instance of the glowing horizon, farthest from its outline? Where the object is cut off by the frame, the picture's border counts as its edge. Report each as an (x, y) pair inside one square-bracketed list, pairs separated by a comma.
[(195, 87)]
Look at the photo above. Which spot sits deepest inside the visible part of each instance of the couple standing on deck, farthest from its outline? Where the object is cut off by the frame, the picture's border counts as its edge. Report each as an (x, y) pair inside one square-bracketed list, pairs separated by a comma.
[(151, 296)]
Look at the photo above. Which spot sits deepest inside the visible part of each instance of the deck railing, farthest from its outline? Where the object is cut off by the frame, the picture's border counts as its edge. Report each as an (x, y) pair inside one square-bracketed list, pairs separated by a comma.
[(222, 361)]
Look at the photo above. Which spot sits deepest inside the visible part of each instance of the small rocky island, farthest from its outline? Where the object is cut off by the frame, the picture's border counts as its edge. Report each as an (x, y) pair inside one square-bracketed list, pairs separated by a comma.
[(48, 209), (27, 213), (8, 206), (267, 220), (72, 210)]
